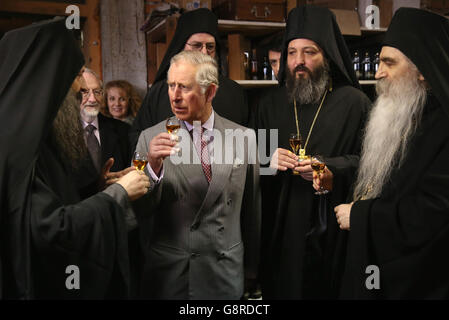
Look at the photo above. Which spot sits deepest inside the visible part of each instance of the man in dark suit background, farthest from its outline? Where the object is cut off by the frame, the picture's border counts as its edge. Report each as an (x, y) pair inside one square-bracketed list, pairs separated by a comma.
[(105, 137)]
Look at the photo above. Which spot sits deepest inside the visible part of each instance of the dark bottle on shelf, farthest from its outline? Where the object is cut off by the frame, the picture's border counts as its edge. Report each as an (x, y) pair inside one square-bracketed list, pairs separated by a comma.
[(266, 69), (376, 62), (356, 65), (254, 66), (367, 67), (246, 65)]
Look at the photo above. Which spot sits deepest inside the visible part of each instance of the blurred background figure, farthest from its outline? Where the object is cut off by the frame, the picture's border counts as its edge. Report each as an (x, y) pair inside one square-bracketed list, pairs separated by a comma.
[(121, 101), (274, 54), (105, 138)]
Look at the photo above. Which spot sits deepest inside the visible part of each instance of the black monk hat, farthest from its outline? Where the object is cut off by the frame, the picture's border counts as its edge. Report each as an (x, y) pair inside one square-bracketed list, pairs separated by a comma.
[(320, 25), (196, 21), (423, 37)]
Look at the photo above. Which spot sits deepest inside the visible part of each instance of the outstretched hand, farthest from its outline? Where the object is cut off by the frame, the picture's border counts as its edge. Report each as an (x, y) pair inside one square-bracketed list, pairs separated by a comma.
[(107, 177), (136, 183), (323, 180), (283, 159)]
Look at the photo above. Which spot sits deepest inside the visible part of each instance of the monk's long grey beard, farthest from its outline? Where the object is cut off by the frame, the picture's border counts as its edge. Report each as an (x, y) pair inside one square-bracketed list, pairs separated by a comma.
[(67, 131), (393, 120)]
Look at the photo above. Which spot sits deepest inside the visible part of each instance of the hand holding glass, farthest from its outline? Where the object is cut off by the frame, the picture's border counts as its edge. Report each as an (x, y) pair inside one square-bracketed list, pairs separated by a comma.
[(295, 144), (318, 165)]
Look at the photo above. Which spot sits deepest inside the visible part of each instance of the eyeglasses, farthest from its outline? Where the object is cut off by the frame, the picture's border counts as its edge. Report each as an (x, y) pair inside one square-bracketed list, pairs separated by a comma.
[(198, 46), (86, 93)]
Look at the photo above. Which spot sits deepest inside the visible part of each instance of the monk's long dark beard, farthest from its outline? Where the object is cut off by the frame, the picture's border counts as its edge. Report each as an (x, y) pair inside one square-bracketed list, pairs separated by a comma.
[(67, 132), (308, 90), (393, 121)]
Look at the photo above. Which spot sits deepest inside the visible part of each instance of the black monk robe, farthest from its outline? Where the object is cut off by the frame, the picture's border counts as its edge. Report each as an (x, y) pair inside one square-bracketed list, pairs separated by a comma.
[(299, 228), (44, 229), (405, 231), (297, 254), (90, 235)]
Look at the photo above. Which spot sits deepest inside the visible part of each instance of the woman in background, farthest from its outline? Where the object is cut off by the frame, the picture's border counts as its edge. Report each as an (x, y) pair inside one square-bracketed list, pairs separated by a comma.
[(122, 101)]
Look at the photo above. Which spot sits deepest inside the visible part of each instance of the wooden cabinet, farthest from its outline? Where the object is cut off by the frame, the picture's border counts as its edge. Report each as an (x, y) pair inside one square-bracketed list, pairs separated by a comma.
[(251, 10), (19, 13)]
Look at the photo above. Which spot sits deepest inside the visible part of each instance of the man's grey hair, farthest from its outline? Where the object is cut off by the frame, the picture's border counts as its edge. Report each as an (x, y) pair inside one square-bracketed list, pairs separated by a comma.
[(207, 68)]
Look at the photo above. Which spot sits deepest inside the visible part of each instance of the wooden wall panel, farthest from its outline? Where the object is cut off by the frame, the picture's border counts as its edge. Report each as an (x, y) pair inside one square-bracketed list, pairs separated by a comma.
[(123, 44)]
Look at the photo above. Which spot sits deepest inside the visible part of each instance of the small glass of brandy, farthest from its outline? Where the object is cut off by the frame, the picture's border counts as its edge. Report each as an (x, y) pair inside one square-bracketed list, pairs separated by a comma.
[(140, 160), (318, 165), (295, 144), (172, 125)]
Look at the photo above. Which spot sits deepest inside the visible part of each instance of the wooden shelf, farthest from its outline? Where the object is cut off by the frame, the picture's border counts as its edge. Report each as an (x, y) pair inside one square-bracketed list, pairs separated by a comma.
[(256, 83), (268, 83), (367, 82), (250, 28), (368, 31), (159, 32)]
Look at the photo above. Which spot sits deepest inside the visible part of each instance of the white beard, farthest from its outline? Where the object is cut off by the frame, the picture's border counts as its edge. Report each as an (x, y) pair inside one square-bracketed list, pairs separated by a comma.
[(392, 122), (88, 114)]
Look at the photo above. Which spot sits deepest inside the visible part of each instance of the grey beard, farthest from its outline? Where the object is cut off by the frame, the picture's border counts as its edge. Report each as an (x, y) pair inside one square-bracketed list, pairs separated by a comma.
[(67, 132), (89, 116), (308, 90), (393, 121)]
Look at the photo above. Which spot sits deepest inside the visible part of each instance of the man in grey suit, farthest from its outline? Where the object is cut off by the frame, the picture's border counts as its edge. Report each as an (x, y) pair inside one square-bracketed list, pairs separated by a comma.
[(200, 222)]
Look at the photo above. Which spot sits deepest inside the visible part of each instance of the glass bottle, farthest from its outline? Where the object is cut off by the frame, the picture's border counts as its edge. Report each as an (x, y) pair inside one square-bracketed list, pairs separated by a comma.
[(376, 62), (254, 66), (367, 67), (356, 65), (266, 69)]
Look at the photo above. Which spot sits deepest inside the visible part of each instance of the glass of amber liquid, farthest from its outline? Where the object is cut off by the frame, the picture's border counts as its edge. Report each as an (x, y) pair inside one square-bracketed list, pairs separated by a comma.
[(172, 125), (140, 160), (295, 144), (318, 164)]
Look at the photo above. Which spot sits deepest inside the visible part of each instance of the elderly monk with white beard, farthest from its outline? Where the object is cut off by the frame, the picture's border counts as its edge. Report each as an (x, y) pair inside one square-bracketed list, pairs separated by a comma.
[(399, 220)]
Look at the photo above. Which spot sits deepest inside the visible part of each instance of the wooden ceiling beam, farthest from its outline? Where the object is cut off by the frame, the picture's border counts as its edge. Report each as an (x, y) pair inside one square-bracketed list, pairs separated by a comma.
[(40, 7)]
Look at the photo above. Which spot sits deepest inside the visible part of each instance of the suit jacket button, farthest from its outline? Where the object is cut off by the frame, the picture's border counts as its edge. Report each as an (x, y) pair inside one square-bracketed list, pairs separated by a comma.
[(194, 255), (229, 202), (194, 226), (221, 255)]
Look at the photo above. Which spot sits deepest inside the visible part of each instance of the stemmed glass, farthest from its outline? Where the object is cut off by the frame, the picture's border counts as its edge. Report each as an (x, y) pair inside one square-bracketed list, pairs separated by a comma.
[(172, 125), (318, 164), (140, 160), (295, 144)]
